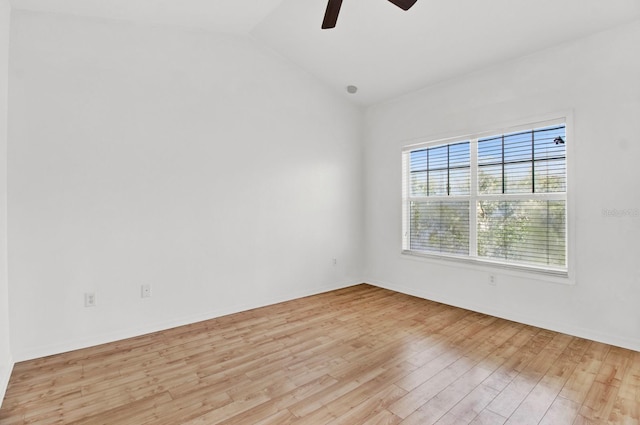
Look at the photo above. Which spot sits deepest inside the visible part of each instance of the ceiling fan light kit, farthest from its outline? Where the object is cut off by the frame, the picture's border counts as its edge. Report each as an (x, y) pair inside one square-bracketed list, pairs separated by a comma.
[(333, 10)]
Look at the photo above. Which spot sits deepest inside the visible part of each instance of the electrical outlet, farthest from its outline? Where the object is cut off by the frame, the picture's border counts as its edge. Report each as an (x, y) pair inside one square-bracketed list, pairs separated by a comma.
[(145, 291), (335, 261), (492, 280), (90, 299)]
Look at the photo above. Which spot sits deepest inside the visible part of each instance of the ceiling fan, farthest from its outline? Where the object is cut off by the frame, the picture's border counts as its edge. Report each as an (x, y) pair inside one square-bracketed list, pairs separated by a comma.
[(333, 9)]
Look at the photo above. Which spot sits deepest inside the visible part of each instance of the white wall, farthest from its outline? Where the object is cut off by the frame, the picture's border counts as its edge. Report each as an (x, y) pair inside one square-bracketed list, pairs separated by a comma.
[(6, 363), (598, 79), (202, 164)]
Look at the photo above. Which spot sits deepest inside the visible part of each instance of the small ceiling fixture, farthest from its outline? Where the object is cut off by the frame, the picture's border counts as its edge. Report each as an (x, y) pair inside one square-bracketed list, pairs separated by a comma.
[(333, 9), (352, 89)]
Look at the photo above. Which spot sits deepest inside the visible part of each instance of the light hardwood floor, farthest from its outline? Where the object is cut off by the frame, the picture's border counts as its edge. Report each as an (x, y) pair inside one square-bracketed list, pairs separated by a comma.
[(361, 355)]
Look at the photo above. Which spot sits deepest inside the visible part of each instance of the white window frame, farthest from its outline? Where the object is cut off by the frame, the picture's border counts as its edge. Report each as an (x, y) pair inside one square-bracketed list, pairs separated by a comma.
[(547, 273)]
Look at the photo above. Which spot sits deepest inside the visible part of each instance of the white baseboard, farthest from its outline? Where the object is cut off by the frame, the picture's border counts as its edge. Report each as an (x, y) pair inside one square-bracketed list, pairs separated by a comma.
[(5, 375), (48, 350), (590, 334)]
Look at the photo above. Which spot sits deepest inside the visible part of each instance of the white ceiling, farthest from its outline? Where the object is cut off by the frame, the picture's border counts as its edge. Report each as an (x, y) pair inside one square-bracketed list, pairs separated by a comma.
[(376, 46), (231, 16)]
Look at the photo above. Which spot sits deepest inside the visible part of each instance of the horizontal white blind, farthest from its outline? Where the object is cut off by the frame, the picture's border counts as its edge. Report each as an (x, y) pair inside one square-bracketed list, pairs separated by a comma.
[(441, 170), (531, 161), (523, 231), (440, 226), (531, 231), (515, 214)]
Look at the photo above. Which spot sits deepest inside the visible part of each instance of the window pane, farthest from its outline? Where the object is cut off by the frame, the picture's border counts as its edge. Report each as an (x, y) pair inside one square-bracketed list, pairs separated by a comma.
[(545, 142), (440, 171), (518, 178), (490, 151), (517, 147), (438, 182), (460, 171), (551, 176), (490, 179), (550, 155), (459, 181), (419, 183), (438, 157), (523, 231), (418, 161), (440, 226), (515, 157), (459, 155)]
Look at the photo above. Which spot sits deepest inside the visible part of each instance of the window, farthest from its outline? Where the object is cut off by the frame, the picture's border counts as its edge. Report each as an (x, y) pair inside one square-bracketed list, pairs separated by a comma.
[(500, 199)]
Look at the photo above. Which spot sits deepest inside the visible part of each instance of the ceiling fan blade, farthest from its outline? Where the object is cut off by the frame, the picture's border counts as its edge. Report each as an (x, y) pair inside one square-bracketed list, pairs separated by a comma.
[(404, 4), (331, 15)]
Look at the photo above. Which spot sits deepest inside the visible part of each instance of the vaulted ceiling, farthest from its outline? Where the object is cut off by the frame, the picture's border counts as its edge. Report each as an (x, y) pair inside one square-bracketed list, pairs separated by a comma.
[(376, 46)]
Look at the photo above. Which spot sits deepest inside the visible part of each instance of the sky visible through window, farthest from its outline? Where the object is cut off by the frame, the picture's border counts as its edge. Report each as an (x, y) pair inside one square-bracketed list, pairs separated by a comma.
[(532, 160), (523, 162), (442, 170)]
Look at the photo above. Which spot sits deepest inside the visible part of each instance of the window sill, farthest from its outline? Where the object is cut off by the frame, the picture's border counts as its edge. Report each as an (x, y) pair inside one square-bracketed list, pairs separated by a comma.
[(517, 270)]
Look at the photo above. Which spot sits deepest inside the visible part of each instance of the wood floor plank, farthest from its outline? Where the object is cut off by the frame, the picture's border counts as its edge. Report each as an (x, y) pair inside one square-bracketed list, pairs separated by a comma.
[(547, 349), (360, 355), (579, 383), (562, 411), (474, 403), (542, 396), (282, 417), (382, 418), (487, 417), (370, 407)]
